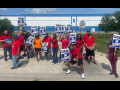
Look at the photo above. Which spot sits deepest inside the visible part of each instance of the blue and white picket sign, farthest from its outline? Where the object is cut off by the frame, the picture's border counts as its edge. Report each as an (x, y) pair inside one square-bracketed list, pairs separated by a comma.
[(20, 21), (62, 29), (65, 55), (8, 41), (34, 30), (43, 30), (58, 28), (73, 38), (69, 28), (82, 25), (116, 41), (45, 47), (30, 40)]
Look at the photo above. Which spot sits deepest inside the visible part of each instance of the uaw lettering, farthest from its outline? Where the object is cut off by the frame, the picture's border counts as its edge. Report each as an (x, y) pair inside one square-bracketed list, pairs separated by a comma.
[(116, 41), (65, 54), (43, 30)]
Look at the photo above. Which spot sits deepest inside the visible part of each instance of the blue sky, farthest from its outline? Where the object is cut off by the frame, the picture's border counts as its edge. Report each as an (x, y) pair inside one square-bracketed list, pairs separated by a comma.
[(57, 10)]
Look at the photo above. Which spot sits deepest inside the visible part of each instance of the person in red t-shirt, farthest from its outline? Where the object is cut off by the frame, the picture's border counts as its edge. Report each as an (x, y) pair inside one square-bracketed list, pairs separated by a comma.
[(15, 52), (48, 40), (79, 43), (112, 58), (86, 37), (75, 57), (90, 48), (6, 47), (55, 48), (64, 43), (68, 38)]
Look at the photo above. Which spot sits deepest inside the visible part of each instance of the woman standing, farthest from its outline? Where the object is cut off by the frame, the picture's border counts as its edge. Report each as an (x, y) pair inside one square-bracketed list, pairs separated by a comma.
[(64, 43), (55, 48), (79, 43), (38, 44)]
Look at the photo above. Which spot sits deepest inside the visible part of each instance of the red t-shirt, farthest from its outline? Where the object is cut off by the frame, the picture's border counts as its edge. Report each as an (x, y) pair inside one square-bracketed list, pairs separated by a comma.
[(74, 53), (54, 44), (86, 37), (79, 43), (21, 39), (89, 42), (15, 45), (3, 37), (47, 39), (64, 43)]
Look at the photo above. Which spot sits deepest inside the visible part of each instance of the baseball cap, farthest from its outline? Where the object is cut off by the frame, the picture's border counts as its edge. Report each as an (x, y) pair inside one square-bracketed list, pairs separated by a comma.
[(16, 36), (88, 30)]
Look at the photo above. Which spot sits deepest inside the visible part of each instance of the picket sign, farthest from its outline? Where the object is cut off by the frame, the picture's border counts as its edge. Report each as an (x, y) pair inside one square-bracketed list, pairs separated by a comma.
[(30, 40), (65, 55), (73, 38), (8, 41), (43, 30), (34, 30), (45, 47), (20, 21), (59, 28), (69, 28)]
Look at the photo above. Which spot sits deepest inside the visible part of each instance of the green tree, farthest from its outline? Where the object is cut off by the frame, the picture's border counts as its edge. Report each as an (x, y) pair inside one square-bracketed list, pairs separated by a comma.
[(105, 23), (6, 24), (22, 27)]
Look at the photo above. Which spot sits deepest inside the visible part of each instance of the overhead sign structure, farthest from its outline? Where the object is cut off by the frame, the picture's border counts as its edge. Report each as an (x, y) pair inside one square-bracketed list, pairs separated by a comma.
[(34, 30), (65, 54), (45, 47), (43, 30), (30, 40), (73, 38), (116, 41), (20, 21), (69, 28)]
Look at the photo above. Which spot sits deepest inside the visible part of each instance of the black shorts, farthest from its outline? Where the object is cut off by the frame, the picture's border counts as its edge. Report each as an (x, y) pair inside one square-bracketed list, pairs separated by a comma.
[(21, 47), (38, 49), (92, 53), (80, 61)]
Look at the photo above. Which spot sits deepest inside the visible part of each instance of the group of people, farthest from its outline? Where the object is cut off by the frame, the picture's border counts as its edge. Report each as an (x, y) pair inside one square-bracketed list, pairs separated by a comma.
[(76, 50)]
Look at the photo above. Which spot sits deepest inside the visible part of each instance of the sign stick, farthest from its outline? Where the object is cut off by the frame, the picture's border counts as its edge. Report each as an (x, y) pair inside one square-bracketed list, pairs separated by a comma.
[(115, 52)]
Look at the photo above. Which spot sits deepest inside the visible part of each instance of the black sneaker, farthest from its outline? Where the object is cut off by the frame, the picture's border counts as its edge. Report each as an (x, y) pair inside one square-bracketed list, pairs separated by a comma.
[(112, 73), (21, 57), (116, 75), (91, 58), (64, 61), (94, 62), (24, 55), (28, 57), (31, 56), (5, 59), (13, 68)]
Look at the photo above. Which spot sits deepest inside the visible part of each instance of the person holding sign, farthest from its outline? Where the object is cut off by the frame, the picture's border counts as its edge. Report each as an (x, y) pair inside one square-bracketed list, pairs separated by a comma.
[(6, 47), (55, 48), (90, 48), (75, 57), (38, 44), (112, 58)]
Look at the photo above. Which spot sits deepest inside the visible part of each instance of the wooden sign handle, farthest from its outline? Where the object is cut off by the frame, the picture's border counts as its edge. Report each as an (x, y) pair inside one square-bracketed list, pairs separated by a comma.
[(115, 52)]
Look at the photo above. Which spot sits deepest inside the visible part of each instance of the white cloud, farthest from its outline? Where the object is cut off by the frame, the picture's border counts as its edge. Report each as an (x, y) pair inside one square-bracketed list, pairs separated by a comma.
[(3, 9), (41, 10), (26, 10)]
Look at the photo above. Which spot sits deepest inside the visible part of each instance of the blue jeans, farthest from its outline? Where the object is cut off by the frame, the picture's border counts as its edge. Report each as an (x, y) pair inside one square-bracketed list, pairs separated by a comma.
[(55, 50), (15, 61), (9, 49)]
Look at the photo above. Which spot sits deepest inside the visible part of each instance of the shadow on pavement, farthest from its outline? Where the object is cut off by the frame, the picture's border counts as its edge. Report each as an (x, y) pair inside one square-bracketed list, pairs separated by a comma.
[(106, 66), (1, 57), (24, 63), (73, 68)]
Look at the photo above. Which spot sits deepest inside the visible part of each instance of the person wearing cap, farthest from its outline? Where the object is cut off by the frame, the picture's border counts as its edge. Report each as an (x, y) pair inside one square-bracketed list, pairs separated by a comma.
[(90, 44), (15, 52), (112, 58), (48, 39), (86, 37)]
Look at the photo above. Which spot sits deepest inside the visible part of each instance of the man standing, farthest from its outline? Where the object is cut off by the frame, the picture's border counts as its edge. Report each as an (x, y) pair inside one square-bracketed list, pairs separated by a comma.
[(47, 39), (85, 38), (6, 47)]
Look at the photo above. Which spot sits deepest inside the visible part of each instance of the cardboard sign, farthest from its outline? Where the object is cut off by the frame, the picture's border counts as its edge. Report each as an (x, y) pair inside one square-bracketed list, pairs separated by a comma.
[(69, 28), (20, 21), (45, 47), (34, 30), (73, 38), (43, 30), (8, 41), (29, 40), (82, 25), (65, 54), (116, 41)]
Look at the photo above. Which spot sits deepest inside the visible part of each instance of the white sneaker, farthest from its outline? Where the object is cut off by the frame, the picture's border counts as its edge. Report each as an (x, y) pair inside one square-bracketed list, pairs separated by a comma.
[(50, 60), (52, 63), (68, 71), (38, 61), (57, 63), (83, 76)]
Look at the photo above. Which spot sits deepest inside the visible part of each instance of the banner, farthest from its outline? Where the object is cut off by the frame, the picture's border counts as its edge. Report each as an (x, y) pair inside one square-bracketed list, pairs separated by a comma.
[(8, 41), (30, 40), (82, 25), (45, 47), (116, 41), (43, 30), (69, 28), (34, 30), (73, 38), (20, 21), (65, 54)]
